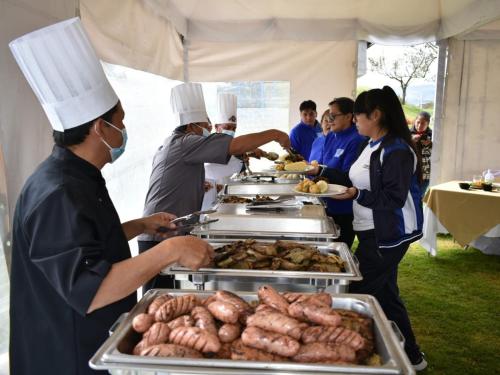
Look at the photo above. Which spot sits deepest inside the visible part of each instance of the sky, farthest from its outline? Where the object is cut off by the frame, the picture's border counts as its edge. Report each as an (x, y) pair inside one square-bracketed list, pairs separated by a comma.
[(420, 90)]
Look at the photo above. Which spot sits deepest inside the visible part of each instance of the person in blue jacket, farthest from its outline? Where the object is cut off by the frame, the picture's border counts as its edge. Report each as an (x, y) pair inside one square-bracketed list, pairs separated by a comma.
[(307, 130), (319, 143), (384, 184), (339, 152)]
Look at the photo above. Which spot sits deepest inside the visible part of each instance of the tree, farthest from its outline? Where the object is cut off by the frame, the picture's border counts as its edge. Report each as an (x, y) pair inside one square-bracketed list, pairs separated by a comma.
[(415, 63)]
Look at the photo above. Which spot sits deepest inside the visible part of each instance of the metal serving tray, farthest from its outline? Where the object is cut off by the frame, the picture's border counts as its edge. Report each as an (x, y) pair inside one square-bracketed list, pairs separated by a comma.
[(250, 280), (309, 223), (113, 354), (261, 189)]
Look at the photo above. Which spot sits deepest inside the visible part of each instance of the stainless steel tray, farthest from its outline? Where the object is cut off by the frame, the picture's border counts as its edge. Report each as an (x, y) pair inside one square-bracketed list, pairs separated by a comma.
[(310, 223), (245, 189), (113, 353), (255, 278)]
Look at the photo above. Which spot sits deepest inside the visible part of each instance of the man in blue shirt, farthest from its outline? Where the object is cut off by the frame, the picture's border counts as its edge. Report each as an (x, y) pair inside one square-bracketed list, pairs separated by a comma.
[(307, 130)]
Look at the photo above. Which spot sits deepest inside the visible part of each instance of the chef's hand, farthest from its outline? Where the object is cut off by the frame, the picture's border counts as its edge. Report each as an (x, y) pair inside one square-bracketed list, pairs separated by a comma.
[(207, 185), (282, 138), (314, 171), (415, 137), (350, 193), (191, 252), (152, 224)]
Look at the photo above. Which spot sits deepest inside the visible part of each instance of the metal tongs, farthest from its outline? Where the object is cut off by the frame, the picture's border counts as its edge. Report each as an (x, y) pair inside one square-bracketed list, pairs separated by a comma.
[(186, 218), (192, 215)]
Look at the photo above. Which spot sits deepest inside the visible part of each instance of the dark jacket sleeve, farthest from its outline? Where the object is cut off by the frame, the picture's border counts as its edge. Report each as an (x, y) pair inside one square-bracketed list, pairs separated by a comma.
[(65, 248), (336, 176), (397, 171)]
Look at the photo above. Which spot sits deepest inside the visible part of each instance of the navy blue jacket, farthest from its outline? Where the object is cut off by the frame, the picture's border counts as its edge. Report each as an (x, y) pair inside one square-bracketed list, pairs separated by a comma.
[(394, 194)]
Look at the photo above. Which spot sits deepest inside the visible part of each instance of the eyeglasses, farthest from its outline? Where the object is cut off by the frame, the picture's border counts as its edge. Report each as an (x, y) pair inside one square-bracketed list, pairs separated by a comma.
[(333, 116)]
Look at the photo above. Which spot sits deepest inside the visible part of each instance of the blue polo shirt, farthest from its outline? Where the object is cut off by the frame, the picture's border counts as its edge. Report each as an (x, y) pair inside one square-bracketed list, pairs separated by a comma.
[(317, 148), (302, 137), (339, 152)]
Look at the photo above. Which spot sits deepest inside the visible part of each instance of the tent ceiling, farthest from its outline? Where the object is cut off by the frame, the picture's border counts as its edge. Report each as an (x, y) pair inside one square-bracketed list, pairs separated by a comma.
[(396, 21)]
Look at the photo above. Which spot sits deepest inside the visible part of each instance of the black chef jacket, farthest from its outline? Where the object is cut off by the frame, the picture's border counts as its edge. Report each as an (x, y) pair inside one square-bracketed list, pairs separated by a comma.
[(66, 236)]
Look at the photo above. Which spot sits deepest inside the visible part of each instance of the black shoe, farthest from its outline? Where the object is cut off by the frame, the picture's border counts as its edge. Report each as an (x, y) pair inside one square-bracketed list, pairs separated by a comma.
[(420, 364)]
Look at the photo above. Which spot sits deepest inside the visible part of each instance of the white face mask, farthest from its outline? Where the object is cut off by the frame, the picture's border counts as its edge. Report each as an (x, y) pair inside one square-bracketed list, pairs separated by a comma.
[(228, 132), (116, 152), (206, 133)]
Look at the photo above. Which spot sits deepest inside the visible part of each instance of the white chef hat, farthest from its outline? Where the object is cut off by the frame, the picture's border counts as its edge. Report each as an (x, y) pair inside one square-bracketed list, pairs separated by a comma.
[(63, 70), (188, 103), (226, 109)]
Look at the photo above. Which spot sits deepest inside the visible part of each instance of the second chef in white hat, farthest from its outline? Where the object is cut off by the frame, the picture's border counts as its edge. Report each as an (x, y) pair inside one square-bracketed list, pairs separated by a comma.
[(177, 180)]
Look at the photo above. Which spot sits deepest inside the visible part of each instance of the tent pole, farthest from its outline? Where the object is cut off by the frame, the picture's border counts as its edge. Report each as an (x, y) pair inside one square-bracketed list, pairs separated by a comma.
[(439, 111)]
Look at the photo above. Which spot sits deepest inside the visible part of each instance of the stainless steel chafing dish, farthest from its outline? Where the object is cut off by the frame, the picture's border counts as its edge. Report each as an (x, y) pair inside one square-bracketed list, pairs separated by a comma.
[(113, 354), (249, 280), (246, 189), (310, 223)]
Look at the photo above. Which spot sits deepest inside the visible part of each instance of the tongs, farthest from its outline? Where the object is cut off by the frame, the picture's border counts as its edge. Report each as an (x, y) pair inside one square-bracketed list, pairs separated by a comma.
[(192, 215), (186, 218), (292, 151)]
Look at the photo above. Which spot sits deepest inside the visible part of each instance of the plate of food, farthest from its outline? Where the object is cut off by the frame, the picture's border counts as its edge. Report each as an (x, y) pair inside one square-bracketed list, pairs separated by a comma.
[(299, 167), (318, 189)]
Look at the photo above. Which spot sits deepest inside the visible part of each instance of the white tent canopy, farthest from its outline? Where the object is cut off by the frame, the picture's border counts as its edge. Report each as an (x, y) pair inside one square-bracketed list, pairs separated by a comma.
[(312, 44)]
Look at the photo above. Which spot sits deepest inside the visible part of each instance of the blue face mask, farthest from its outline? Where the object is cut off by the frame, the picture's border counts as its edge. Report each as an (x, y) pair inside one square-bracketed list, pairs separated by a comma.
[(206, 133), (228, 132), (116, 152)]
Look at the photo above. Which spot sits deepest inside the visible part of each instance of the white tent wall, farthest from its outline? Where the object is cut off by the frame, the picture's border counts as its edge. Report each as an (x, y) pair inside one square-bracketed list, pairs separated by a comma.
[(126, 32), (319, 71), (470, 132), (25, 133)]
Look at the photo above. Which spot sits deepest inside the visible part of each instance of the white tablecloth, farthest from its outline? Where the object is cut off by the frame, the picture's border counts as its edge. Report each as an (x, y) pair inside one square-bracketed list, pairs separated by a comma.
[(489, 243)]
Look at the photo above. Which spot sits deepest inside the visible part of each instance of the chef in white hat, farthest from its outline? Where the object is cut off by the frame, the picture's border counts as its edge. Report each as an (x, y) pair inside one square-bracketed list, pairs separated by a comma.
[(177, 180), (72, 271), (225, 123)]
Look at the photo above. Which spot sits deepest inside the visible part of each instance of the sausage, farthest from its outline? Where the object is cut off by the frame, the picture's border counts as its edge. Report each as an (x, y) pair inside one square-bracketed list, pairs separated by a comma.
[(229, 332), (170, 350), (209, 300), (240, 351), (265, 308), (276, 322), (204, 320), (240, 303), (224, 351), (176, 307), (141, 345), (157, 334), (271, 297), (157, 302), (321, 352), (319, 314), (270, 342), (321, 298), (195, 338), (224, 311), (333, 335), (181, 321), (142, 322)]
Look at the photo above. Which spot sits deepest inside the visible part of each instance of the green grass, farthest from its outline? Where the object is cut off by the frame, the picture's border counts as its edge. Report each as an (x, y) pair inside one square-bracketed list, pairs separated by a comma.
[(454, 302)]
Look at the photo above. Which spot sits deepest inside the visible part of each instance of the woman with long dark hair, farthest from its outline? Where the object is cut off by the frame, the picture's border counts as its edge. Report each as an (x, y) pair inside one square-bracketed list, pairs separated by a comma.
[(384, 184)]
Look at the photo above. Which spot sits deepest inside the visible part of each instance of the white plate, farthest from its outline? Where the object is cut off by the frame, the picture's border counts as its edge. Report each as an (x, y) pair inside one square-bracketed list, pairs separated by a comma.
[(333, 189)]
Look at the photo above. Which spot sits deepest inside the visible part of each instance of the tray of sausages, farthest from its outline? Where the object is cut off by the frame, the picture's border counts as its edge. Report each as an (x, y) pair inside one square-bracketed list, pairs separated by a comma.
[(267, 332)]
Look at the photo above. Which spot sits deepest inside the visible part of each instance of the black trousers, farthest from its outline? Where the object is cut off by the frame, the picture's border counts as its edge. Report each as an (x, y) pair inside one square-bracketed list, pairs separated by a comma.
[(159, 281), (379, 268), (344, 221)]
